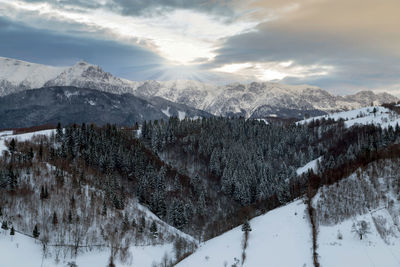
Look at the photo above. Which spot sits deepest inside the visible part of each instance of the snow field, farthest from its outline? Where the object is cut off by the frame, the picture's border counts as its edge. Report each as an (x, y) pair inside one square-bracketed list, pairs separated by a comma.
[(8, 135), (351, 251), (24, 251), (279, 238), (364, 116)]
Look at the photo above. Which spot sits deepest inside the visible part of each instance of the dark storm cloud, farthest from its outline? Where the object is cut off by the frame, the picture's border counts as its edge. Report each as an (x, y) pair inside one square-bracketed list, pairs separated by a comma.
[(45, 47)]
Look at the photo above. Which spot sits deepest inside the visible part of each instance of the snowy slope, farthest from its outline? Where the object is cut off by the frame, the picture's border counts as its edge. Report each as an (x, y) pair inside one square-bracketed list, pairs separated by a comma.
[(275, 235), (383, 117), (17, 75), (312, 165), (141, 252), (351, 251), (369, 195), (85, 75), (8, 135), (21, 250)]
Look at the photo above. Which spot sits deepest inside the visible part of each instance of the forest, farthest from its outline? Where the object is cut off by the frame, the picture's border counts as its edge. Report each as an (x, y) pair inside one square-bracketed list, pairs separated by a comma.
[(80, 186)]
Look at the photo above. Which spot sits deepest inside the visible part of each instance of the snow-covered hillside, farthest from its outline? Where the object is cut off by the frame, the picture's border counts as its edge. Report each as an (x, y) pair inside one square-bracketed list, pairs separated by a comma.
[(279, 238), (369, 196), (282, 237), (349, 250), (8, 135), (21, 250), (128, 232), (17, 75), (368, 115), (312, 165)]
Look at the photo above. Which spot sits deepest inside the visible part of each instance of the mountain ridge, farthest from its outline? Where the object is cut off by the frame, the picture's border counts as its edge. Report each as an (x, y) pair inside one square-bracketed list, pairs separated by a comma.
[(251, 100), (67, 104)]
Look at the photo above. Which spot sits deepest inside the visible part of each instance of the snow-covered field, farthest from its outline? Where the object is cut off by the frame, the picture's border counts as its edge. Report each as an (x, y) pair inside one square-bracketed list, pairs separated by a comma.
[(369, 195), (312, 165), (8, 135), (351, 251), (21, 251), (281, 237), (382, 116)]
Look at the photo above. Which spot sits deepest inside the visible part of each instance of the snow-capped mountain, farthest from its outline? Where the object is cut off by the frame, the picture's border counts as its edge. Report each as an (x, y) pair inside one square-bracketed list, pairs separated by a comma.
[(251, 100), (84, 75), (259, 99), (17, 75)]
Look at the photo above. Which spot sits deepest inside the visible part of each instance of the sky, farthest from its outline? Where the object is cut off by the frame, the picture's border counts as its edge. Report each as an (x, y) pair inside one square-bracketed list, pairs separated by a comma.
[(340, 45)]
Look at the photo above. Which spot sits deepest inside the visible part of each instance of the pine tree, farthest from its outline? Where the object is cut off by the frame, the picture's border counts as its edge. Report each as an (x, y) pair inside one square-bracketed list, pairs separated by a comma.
[(70, 217), (44, 193), (4, 225), (104, 210), (40, 154), (153, 229), (12, 232), (59, 133), (125, 223), (12, 179), (55, 219), (142, 224), (246, 227), (35, 232), (12, 146)]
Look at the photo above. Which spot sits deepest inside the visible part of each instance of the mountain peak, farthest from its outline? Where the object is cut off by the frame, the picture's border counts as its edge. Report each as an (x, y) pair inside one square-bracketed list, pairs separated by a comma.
[(81, 62)]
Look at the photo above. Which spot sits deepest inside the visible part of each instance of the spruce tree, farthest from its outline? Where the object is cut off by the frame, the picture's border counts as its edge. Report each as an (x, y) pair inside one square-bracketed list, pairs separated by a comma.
[(4, 225), (40, 154), (125, 223), (12, 146), (153, 229), (55, 219), (12, 232), (70, 217), (142, 225), (104, 210), (59, 133), (246, 227), (35, 232)]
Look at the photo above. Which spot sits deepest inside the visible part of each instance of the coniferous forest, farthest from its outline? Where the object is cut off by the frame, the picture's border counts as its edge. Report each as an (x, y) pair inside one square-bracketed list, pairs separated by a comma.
[(202, 176)]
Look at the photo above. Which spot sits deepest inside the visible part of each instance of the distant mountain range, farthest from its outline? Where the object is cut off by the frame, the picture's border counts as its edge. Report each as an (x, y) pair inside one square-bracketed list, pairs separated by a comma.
[(50, 105), (252, 100)]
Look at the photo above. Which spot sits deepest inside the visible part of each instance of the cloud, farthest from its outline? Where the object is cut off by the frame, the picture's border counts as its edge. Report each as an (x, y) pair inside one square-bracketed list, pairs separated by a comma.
[(223, 8), (342, 45), (180, 36), (274, 71), (357, 40), (47, 47)]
